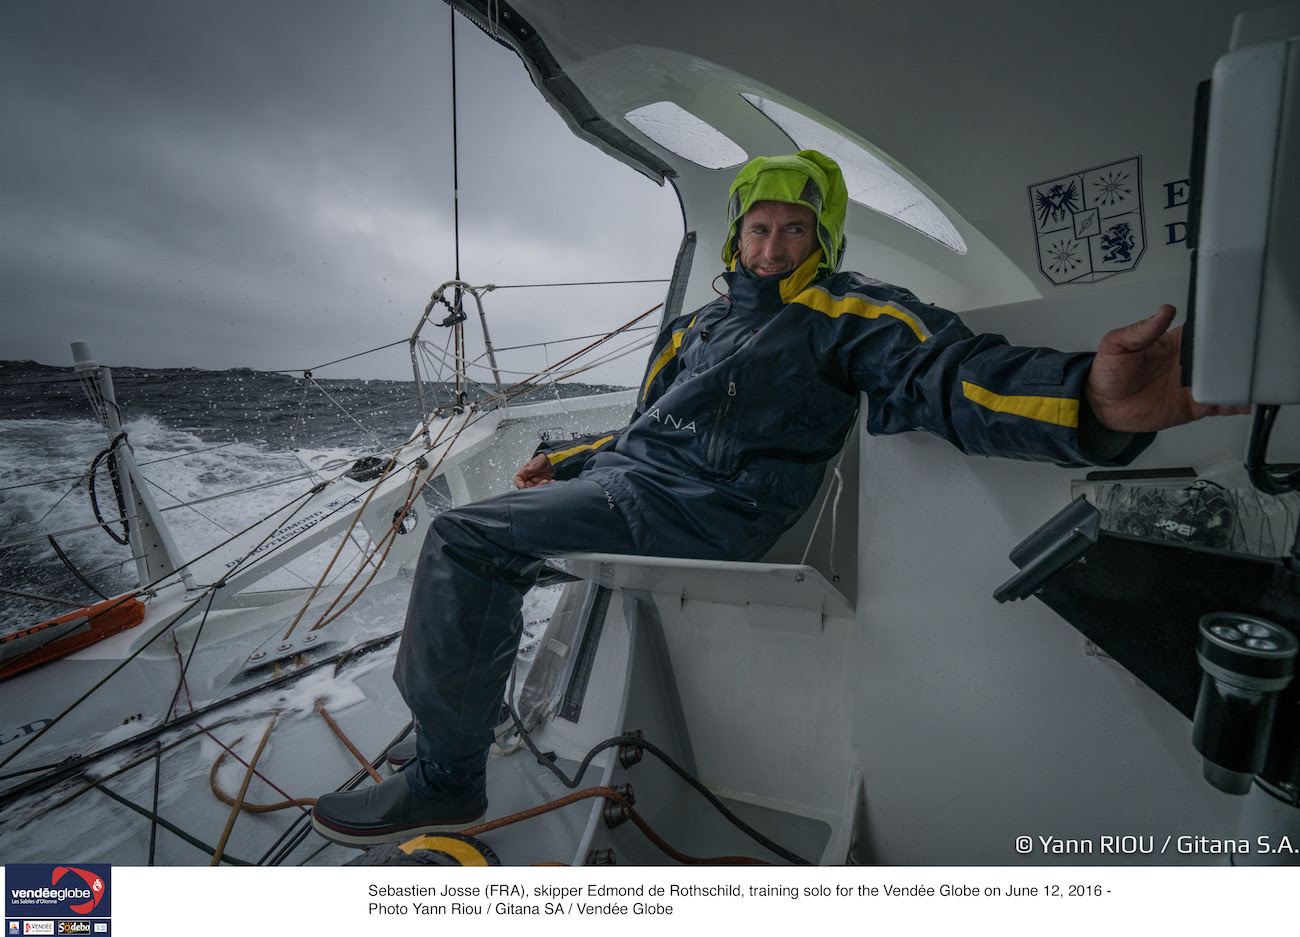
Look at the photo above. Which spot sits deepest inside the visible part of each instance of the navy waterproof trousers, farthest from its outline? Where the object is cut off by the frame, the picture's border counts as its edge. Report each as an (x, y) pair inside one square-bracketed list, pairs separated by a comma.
[(464, 618), (463, 622)]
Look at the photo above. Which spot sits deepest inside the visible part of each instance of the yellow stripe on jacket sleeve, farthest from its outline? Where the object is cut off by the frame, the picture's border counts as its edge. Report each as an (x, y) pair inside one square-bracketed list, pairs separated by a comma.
[(829, 305), (1063, 411), (669, 352), (557, 457)]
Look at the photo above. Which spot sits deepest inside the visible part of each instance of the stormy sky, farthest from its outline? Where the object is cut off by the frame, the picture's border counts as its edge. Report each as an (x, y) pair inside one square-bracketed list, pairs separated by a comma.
[(269, 184)]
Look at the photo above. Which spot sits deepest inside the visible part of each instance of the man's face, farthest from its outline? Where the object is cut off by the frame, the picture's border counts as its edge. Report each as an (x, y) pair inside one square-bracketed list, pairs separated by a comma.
[(776, 237)]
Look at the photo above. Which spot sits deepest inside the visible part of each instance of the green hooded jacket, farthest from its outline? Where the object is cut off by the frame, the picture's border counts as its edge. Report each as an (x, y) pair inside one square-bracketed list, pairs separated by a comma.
[(807, 178)]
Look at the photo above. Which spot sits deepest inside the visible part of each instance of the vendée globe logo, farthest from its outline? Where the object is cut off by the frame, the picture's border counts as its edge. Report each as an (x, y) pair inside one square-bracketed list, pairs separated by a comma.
[(96, 885), (56, 890)]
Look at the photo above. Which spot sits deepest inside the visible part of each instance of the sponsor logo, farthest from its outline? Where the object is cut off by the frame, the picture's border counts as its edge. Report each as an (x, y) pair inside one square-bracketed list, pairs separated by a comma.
[(56, 891), (14, 734), (1088, 224), (13, 926), (74, 927), (285, 534), (38, 927), (101, 927), (670, 420)]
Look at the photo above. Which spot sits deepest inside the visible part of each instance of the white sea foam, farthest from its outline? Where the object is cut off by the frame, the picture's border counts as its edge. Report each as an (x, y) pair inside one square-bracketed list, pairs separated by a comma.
[(207, 492)]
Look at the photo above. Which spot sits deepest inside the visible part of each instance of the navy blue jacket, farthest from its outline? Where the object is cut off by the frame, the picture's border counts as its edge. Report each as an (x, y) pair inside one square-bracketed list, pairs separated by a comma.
[(745, 401)]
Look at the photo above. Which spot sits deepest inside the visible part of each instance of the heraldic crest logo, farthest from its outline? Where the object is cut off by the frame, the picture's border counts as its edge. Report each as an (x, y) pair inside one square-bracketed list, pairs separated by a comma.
[(1089, 223)]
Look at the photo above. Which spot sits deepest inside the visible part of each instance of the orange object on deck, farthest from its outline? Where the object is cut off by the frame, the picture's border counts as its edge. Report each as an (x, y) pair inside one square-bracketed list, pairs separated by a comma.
[(87, 626)]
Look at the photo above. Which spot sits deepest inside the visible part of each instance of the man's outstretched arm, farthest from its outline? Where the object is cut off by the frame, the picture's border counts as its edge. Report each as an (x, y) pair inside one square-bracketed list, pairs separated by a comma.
[(1135, 384)]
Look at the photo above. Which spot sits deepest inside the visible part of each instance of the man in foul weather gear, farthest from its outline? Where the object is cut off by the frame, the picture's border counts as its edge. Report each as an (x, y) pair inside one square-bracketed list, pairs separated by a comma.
[(743, 404)]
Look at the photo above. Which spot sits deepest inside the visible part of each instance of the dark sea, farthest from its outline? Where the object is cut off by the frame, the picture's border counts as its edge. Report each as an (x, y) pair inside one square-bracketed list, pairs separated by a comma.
[(198, 435)]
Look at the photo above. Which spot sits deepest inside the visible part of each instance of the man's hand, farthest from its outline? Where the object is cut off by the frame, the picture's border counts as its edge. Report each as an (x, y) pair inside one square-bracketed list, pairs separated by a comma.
[(536, 471), (1135, 385)]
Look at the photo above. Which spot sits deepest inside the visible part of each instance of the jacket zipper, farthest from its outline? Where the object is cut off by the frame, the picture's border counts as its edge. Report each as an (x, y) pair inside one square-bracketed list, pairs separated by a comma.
[(724, 411)]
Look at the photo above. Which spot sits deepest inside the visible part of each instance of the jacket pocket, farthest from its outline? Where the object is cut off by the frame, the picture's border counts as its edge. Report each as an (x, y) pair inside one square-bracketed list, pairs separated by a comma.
[(720, 454)]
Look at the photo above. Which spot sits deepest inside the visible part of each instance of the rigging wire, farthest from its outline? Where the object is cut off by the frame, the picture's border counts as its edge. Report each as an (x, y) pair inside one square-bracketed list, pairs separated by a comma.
[(455, 153), (526, 286), (76, 765), (185, 611), (283, 480), (164, 629), (100, 405), (167, 825), (359, 354), (153, 821), (571, 338), (40, 598)]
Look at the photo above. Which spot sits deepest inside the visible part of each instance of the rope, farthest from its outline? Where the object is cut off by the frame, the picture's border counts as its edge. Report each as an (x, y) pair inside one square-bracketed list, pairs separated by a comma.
[(215, 787), (91, 784), (164, 629), (283, 480), (386, 542), (58, 550), (347, 742), (338, 551), (239, 798), (617, 797), (294, 835), (124, 538), (73, 765), (390, 536), (586, 348), (46, 481), (677, 769), (182, 682)]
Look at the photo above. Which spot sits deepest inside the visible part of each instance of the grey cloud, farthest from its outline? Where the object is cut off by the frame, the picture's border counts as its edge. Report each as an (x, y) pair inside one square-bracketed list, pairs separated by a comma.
[(269, 185)]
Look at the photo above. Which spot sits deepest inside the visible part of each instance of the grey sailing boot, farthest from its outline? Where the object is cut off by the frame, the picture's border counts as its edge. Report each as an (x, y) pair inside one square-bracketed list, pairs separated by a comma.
[(392, 811)]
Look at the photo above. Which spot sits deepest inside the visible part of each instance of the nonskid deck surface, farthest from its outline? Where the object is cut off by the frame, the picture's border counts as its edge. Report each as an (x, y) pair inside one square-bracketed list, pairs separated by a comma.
[(163, 795)]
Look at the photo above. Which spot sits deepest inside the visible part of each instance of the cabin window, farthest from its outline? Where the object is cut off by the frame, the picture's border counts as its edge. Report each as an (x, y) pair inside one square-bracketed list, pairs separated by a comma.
[(681, 132), (871, 182)]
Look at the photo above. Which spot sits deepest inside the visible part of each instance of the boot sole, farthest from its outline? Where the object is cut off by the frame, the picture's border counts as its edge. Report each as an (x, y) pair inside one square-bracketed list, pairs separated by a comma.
[(379, 837)]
